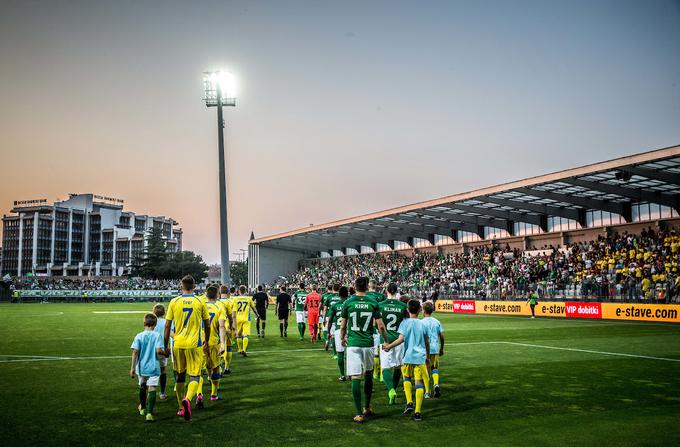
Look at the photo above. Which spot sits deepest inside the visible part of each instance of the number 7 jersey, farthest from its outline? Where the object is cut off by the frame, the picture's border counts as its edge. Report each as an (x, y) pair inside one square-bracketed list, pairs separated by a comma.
[(187, 312), (360, 311)]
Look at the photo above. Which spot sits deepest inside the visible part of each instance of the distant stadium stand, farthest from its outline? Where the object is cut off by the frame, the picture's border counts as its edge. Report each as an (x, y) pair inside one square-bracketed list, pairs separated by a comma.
[(602, 231)]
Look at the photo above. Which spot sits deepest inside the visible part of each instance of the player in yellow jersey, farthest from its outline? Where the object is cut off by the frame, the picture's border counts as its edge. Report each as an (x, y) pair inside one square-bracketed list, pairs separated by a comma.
[(217, 342), (243, 305), (228, 305), (188, 314)]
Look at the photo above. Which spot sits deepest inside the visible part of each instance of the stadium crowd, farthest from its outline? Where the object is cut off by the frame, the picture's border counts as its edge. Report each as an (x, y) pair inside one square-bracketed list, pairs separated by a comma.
[(57, 283), (622, 266)]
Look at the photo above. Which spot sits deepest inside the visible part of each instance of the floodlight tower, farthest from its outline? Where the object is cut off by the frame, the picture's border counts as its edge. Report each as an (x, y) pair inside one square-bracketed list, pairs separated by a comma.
[(219, 87)]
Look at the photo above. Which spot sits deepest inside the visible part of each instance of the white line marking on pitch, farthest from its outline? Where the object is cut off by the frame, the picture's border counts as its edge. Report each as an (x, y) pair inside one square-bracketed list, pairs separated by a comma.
[(590, 351), (27, 358), (120, 312)]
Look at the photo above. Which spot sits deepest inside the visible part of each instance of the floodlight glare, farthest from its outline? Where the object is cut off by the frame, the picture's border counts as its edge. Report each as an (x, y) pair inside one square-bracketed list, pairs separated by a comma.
[(220, 88)]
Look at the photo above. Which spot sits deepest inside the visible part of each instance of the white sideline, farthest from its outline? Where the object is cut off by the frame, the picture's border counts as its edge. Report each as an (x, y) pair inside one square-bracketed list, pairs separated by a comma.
[(590, 351), (35, 358)]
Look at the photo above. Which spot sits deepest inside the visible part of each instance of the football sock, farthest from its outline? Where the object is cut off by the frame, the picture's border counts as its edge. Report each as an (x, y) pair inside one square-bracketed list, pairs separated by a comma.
[(215, 382), (368, 388), (387, 376), (228, 357), (301, 329), (245, 343), (200, 385), (281, 329), (179, 392), (324, 334), (420, 393), (341, 363), (376, 365), (164, 382), (151, 402), (426, 381), (356, 395), (435, 376), (142, 395), (396, 377), (257, 325), (285, 326), (192, 388), (239, 344), (408, 390), (264, 325)]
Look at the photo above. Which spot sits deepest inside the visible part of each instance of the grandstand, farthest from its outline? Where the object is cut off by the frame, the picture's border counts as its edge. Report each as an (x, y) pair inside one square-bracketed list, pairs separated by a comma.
[(554, 211)]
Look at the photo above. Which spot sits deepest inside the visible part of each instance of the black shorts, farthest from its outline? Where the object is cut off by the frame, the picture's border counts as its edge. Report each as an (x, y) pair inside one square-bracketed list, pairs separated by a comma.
[(262, 313), (283, 314)]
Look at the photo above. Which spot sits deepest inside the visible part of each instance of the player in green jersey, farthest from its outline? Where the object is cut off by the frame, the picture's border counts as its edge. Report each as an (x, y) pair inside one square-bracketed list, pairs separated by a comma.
[(334, 318), (323, 312), (359, 316), (331, 328), (299, 299), (393, 312)]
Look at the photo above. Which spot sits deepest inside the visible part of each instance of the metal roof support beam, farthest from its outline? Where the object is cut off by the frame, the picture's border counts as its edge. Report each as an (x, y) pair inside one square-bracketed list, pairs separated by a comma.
[(653, 174), (431, 238), (501, 214), (390, 243), (442, 224), (637, 195), (475, 220), (584, 202), (544, 210)]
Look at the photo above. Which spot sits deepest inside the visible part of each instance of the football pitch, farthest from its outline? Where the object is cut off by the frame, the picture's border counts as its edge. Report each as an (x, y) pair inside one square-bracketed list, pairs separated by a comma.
[(505, 381)]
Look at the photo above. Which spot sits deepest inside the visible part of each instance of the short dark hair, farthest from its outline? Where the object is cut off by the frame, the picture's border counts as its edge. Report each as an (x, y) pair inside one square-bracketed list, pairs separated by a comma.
[(343, 292), (361, 284), (188, 283), (159, 310), (224, 290), (352, 291), (302, 285), (232, 290), (283, 288), (336, 287), (150, 320), (260, 288), (392, 288), (428, 307), (241, 289), (413, 306), (372, 284), (211, 291)]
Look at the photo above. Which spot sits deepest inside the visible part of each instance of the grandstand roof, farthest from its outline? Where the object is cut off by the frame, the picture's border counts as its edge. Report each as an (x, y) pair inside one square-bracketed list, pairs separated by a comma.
[(612, 186)]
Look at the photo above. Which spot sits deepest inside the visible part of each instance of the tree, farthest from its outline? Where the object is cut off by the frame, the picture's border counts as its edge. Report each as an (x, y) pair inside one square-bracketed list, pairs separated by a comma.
[(153, 257), (156, 263), (239, 273)]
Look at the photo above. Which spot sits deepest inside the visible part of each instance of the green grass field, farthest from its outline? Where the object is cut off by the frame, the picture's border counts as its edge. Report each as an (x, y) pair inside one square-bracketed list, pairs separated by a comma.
[(503, 384)]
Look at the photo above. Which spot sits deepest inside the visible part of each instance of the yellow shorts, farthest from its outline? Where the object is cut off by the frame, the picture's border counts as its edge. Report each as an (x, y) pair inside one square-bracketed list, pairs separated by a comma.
[(243, 328), (417, 372), (190, 360), (434, 361), (213, 360)]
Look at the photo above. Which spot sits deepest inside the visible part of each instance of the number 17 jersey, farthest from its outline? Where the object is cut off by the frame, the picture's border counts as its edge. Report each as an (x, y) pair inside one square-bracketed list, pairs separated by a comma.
[(360, 311)]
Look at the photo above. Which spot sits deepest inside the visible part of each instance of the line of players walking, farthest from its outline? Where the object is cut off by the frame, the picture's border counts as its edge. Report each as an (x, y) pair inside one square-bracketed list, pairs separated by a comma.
[(373, 337)]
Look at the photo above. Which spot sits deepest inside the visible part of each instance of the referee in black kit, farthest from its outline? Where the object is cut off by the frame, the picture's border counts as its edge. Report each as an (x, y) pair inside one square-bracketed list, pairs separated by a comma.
[(284, 302), (261, 304)]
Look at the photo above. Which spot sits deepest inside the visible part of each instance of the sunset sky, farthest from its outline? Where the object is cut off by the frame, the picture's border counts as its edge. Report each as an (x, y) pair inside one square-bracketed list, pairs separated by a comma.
[(343, 108)]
